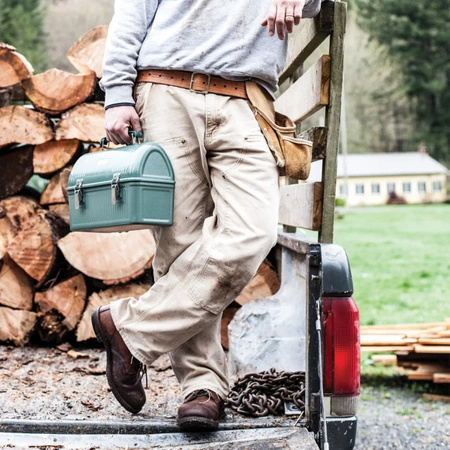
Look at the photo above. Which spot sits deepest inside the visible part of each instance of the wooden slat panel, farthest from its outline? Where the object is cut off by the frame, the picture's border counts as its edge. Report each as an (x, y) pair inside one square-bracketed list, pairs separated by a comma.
[(332, 122), (308, 94), (301, 205), (306, 38), (318, 136)]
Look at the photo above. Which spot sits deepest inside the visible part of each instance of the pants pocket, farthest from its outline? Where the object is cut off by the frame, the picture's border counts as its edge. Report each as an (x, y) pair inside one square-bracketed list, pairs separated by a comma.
[(217, 285)]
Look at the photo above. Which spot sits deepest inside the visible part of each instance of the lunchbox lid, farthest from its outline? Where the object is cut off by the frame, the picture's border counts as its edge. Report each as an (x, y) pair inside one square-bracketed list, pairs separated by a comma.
[(146, 161)]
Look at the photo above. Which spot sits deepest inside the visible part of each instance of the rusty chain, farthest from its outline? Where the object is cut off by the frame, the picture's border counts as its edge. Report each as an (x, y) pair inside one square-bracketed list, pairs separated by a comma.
[(264, 393)]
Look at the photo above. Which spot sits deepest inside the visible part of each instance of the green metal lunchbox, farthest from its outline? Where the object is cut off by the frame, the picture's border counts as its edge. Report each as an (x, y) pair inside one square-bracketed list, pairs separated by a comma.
[(122, 189)]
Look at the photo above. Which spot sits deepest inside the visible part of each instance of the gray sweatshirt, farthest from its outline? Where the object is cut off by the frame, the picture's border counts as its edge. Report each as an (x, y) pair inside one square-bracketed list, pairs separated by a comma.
[(217, 37)]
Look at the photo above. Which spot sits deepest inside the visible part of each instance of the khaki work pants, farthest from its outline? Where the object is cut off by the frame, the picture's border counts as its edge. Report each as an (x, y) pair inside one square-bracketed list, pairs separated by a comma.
[(225, 223)]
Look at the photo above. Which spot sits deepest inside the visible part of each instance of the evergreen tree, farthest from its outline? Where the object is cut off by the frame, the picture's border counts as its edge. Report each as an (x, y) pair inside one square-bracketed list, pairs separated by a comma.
[(416, 35), (22, 25)]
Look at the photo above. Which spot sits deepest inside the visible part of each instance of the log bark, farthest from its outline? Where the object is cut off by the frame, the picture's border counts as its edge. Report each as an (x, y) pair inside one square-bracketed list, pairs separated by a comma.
[(84, 122), (84, 329), (108, 256), (64, 180), (7, 232), (53, 193), (5, 96), (264, 284), (14, 67), (61, 210), (87, 52), (16, 288), (54, 155), (34, 246), (16, 168), (19, 124), (60, 308), (56, 91), (16, 325)]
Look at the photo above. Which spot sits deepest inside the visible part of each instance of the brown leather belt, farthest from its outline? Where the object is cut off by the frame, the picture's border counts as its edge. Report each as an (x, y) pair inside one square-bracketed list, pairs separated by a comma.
[(194, 81)]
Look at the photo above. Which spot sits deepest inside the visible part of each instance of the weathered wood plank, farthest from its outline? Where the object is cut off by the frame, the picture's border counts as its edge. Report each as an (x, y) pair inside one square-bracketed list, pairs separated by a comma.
[(419, 348), (442, 378), (332, 122), (308, 94), (301, 205), (306, 38)]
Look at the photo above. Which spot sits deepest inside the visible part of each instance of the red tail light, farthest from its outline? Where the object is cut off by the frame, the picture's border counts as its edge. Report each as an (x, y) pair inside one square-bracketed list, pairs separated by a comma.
[(341, 346)]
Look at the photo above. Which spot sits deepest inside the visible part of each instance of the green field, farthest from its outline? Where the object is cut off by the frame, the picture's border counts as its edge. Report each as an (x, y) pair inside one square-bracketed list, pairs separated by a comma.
[(400, 260)]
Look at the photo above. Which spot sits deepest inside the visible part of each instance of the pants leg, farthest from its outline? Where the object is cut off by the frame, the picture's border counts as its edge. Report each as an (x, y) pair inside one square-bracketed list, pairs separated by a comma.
[(200, 271)]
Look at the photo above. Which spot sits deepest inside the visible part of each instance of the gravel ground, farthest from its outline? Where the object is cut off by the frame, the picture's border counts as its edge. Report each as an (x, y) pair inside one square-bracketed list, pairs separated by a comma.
[(58, 384), (396, 418)]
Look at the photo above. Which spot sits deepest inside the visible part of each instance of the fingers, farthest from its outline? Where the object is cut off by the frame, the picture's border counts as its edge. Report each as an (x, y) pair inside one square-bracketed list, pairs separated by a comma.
[(280, 22), (136, 123), (118, 120), (298, 10), (289, 19), (269, 21), (282, 16)]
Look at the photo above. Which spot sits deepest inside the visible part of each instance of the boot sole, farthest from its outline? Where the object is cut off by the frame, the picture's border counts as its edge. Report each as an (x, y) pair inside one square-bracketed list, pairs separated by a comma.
[(195, 423), (95, 319)]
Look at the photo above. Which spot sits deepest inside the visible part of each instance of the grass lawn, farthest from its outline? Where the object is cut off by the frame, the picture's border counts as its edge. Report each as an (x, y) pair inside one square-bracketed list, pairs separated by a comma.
[(400, 260)]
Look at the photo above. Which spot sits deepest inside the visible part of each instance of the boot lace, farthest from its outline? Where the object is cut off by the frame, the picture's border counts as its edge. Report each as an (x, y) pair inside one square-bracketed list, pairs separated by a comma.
[(142, 368)]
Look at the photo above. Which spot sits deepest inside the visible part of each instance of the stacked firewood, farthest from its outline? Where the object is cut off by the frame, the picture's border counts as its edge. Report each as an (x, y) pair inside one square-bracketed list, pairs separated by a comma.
[(51, 278), (420, 351)]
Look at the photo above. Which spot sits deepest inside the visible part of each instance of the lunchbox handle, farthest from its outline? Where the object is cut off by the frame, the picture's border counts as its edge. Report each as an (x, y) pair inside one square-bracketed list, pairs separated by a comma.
[(135, 135)]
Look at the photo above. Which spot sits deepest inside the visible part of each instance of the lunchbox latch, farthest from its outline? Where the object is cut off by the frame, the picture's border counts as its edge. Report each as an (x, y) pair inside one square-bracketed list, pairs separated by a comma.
[(78, 194), (115, 188)]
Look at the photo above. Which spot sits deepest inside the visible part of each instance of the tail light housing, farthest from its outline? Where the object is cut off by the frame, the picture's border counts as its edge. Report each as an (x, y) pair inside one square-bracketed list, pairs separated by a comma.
[(341, 347)]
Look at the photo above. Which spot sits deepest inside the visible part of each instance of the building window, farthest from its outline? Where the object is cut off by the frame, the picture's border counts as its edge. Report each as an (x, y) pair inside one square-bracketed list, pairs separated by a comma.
[(406, 187), (360, 189), (422, 187), (437, 186), (390, 187), (343, 190), (375, 188)]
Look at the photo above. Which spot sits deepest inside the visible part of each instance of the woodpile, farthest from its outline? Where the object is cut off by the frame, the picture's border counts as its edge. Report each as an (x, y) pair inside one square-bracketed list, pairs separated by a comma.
[(421, 351), (50, 278)]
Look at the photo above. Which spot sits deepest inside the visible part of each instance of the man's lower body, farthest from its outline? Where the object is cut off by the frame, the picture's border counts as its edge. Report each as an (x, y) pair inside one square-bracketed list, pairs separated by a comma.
[(225, 221)]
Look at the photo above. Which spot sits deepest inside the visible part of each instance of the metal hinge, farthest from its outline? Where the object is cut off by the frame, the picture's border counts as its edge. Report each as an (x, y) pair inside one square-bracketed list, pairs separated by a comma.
[(115, 188), (78, 194)]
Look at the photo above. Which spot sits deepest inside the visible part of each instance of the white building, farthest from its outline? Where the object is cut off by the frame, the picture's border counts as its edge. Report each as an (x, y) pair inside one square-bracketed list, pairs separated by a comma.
[(368, 178)]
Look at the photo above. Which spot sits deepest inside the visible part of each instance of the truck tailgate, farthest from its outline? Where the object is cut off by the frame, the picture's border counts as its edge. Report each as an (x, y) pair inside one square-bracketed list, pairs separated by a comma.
[(254, 438)]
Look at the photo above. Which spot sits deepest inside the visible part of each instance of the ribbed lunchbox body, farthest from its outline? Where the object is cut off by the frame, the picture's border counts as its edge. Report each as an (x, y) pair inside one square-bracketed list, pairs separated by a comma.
[(123, 189)]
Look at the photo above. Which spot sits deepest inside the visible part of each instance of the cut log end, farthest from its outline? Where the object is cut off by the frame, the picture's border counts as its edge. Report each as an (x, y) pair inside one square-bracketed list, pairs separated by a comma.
[(14, 67), (87, 52), (54, 155), (16, 326), (56, 91), (19, 124)]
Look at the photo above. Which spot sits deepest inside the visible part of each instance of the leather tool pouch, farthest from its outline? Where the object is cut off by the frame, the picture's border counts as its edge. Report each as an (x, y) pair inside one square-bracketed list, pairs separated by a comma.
[(292, 155)]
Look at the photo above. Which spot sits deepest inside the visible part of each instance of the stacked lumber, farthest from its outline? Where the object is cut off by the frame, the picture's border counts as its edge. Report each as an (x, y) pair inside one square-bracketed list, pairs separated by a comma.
[(51, 278), (421, 351)]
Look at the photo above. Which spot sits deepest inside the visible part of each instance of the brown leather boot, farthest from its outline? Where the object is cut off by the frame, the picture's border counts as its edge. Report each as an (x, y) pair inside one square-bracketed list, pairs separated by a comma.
[(201, 411), (123, 371)]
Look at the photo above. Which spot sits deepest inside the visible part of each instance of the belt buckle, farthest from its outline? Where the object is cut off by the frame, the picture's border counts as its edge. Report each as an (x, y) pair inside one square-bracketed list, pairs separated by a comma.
[(191, 88)]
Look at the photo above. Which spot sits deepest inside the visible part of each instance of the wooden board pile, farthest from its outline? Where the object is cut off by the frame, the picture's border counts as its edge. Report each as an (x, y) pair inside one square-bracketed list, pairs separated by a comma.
[(51, 278), (422, 351)]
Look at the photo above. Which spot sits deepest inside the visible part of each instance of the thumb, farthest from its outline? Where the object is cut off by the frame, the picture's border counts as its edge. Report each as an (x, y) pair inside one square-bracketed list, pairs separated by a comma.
[(135, 123)]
